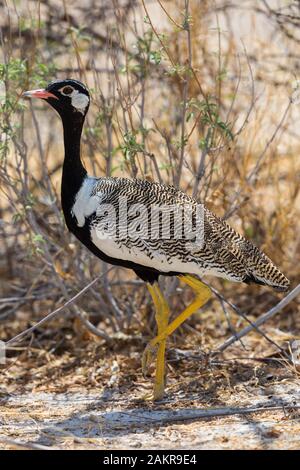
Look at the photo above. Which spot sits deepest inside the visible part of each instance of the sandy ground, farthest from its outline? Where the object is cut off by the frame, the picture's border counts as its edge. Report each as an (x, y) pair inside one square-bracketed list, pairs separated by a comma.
[(268, 418), (88, 395)]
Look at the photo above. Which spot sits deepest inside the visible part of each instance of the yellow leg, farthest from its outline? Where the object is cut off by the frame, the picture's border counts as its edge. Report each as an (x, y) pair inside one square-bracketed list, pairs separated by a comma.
[(203, 294), (162, 316)]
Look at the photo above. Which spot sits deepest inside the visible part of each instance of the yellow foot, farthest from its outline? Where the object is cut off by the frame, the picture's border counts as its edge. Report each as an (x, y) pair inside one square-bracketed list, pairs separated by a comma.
[(152, 352), (158, 391), (164, 329), (157, 395)]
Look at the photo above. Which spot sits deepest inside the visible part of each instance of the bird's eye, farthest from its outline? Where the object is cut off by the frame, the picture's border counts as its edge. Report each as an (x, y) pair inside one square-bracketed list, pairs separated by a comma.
[(67, 90)]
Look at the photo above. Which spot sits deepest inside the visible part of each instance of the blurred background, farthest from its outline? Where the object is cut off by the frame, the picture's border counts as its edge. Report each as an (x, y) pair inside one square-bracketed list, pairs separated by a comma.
[(200, 94)]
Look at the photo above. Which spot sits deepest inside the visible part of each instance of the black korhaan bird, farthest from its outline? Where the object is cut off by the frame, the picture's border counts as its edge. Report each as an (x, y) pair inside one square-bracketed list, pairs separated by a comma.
[(85, 199)]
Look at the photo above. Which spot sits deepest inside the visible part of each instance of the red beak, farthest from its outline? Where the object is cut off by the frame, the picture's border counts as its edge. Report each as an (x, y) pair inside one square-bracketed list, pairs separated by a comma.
[(41, 93)]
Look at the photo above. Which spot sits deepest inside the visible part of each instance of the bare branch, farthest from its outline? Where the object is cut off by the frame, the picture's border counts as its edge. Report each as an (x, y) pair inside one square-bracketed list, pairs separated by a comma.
[(262, 319), (53, 314)]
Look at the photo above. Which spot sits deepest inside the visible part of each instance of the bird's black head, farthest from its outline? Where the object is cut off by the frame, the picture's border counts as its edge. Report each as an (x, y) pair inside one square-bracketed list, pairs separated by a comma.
[(70, 98)]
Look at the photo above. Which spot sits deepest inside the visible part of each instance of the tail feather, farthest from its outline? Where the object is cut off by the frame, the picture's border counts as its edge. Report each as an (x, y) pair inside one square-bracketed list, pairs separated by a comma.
[(241, 259), (282, 287), (261, 270)]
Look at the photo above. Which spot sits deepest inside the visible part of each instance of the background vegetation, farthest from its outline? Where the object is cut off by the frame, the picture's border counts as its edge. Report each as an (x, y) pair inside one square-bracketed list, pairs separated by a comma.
[(200, 94)]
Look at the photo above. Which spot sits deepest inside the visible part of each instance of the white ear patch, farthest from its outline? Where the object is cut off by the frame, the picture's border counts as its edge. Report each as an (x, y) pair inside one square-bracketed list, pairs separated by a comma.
[(79, 101)]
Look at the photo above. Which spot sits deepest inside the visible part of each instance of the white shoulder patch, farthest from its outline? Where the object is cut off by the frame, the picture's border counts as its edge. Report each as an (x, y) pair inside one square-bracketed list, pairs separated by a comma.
[(85, 204), (79, 101)]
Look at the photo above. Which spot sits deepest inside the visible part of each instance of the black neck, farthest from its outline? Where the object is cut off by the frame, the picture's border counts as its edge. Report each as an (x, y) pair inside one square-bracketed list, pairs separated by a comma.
[(73, 169)]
